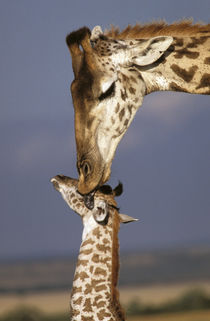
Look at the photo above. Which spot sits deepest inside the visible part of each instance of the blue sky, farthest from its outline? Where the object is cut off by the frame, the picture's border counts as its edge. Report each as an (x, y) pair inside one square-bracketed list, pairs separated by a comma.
[(163, 160)]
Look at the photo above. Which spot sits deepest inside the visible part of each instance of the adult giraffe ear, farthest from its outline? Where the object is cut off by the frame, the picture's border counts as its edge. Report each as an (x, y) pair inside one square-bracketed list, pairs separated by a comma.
[(150, 51), (127, 219), (100, 212)]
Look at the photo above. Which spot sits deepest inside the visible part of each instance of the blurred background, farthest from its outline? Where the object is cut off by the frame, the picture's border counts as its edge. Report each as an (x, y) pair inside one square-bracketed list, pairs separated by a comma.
[(163, 162)]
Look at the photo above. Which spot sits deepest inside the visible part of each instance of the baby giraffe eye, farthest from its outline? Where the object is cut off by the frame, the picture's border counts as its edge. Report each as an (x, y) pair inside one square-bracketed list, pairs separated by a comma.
[(109, 92)]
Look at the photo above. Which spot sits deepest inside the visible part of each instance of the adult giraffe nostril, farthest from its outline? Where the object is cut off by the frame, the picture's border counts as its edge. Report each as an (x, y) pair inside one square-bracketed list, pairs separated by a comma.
[(86, 169)]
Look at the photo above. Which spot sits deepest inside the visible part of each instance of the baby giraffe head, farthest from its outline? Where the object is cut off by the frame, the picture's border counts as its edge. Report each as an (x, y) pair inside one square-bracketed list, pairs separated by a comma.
[(100, 210)]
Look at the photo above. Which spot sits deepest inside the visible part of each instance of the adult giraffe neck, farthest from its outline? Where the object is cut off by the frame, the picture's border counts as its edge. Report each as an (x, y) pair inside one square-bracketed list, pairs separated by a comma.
[(184, 67)]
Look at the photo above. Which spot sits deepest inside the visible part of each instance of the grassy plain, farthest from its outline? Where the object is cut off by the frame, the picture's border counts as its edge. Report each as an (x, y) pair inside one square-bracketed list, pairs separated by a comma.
[(184, 316), (148, 278), (58, 301)]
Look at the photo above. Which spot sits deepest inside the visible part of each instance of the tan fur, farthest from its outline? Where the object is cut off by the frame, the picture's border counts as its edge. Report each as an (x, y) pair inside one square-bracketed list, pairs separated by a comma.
[(115, 267), (181, 28)]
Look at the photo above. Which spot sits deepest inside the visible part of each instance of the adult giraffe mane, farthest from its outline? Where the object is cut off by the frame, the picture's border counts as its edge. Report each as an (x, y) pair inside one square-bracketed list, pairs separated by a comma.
[(156, 28), (159, 28)]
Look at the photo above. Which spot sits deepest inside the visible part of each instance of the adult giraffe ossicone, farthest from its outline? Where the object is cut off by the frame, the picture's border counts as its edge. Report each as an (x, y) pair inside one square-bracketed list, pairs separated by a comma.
[(114, 71)]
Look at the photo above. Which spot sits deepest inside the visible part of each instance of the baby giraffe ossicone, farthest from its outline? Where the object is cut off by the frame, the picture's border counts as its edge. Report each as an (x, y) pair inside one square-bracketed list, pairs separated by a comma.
[(94, 294)]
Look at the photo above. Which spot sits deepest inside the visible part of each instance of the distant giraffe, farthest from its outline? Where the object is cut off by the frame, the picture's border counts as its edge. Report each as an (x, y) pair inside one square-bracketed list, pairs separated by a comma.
[(115, 70), (94, 294)]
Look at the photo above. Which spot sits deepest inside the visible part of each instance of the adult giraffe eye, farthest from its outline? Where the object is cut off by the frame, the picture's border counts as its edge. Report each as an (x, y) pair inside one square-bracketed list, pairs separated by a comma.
[(109, 92)]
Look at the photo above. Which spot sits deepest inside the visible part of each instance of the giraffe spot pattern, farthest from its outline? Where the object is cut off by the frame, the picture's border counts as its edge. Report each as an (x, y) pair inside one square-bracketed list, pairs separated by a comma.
[(82, 276), (105, 240), (130, 107), (105, 261), (78, 301), (95, 258), (121, 114), (87, 242), (132, 69), (76, 312), (103, 314), (123, 94), (207, 61), (98, 297), (186, 75), (185, 52), (78, 206), (97, 282), (100, 288), (87, 306), (100, 304), (126, 122), (133, 79), (77, 290), (132, 90), (86, 252), (100, 271), (178, 42), (97, 233), (112, 120), (102, 248), (125, 78), (196, 42), (205, 81), (117, 108), (82, 262), (174, 87), (88, 289)]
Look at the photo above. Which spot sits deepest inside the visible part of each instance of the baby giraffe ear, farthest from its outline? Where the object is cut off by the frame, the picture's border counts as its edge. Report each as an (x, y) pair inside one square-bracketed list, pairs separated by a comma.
[(127, 219), (100, 212), (153, 49)]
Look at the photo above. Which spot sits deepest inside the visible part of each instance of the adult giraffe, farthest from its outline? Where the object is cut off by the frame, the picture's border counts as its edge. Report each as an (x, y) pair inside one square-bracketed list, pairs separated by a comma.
[(115, 70)]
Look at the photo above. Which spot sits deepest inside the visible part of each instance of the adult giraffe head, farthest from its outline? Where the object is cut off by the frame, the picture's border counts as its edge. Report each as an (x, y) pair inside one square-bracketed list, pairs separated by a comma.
[(106, 94), (112, 75)]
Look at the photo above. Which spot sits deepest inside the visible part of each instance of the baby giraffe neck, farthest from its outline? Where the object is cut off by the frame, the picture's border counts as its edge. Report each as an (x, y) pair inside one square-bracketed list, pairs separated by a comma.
[(94, 293)]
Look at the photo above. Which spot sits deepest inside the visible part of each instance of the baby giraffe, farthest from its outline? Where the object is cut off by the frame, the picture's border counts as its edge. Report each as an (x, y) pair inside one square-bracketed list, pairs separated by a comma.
[(94, 294)]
